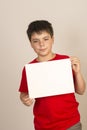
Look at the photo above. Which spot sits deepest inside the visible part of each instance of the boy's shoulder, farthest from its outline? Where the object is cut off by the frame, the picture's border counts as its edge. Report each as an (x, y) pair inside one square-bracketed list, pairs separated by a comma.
[(61, 56), (33, 61)]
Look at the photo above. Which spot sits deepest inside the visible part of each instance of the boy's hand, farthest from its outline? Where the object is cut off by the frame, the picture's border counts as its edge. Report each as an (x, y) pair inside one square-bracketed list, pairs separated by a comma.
[(25, 99), (79, 82), (75, 64)]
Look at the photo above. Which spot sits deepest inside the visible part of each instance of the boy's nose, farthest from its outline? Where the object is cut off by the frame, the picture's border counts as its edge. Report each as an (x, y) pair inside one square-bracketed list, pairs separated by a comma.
[(41, 43)]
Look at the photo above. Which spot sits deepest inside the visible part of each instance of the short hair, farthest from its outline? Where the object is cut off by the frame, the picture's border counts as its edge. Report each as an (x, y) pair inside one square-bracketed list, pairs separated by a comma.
[(38, 26)]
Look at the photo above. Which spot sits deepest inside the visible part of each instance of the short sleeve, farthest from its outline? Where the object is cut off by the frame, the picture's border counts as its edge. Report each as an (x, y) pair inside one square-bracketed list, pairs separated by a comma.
[(23, 84)]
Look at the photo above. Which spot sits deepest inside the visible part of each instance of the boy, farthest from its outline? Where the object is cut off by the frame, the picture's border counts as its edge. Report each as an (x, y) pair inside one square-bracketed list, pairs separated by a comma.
[(58, 112)]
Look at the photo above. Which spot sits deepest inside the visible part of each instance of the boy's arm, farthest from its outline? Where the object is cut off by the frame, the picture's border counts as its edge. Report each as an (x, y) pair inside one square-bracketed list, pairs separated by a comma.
[(25, 99), (24, 90), (78, 78)]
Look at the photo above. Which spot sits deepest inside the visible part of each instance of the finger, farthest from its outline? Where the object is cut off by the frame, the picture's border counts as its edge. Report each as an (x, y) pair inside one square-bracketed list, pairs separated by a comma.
[(29, 102)]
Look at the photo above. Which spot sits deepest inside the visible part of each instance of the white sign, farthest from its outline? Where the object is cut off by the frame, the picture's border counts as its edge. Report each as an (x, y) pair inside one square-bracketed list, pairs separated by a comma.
[(49, 78)]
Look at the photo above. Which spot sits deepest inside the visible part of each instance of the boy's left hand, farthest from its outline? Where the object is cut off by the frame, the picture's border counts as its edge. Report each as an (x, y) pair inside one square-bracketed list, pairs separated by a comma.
[(79, 81), (75, 62)]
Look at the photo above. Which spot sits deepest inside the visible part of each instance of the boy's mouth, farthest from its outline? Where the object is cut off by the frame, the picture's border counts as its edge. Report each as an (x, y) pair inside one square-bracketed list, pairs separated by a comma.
[(42, 49)]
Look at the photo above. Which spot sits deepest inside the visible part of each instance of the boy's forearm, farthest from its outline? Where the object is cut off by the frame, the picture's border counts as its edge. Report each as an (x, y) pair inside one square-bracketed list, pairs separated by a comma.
[(79, 83)]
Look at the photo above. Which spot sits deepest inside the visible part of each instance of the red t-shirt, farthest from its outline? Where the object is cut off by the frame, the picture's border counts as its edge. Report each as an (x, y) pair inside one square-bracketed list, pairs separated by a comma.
[(58, 112)]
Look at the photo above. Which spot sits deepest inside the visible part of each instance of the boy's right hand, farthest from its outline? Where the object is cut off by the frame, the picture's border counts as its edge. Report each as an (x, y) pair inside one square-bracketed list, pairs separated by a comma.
[(25, 99)]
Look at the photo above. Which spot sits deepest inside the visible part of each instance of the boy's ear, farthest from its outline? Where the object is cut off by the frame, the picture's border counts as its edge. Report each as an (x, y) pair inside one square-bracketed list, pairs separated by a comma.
[(53, 39), (31, 44)]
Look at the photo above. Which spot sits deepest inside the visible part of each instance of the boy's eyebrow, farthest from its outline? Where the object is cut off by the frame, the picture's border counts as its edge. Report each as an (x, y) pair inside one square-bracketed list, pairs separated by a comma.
[(34, 39), (47, 36), (38, 38)]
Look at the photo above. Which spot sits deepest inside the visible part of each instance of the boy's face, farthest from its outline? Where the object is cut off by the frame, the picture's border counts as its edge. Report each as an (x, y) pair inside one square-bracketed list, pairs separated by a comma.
[(42, 43)]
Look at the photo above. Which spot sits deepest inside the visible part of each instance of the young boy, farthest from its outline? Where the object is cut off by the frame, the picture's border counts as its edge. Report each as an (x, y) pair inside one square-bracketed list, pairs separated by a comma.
[(58, 112)]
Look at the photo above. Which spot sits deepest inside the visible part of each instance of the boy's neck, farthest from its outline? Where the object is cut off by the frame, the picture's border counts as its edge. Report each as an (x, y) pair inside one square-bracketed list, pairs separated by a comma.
[(46, 58)]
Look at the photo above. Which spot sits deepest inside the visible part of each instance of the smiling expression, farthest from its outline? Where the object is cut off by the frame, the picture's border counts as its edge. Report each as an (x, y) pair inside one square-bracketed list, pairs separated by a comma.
[(42, 43)]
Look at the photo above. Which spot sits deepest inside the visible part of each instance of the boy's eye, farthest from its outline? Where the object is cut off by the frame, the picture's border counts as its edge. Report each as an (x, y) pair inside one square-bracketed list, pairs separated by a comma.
[(46, 39), (35, 41)]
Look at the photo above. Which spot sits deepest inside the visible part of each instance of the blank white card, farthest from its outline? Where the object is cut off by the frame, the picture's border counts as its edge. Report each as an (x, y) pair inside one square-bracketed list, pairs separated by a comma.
[(49, 78)]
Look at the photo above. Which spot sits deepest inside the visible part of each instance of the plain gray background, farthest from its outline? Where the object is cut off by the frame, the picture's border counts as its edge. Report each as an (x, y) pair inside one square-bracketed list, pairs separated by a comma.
[(69, 19)]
